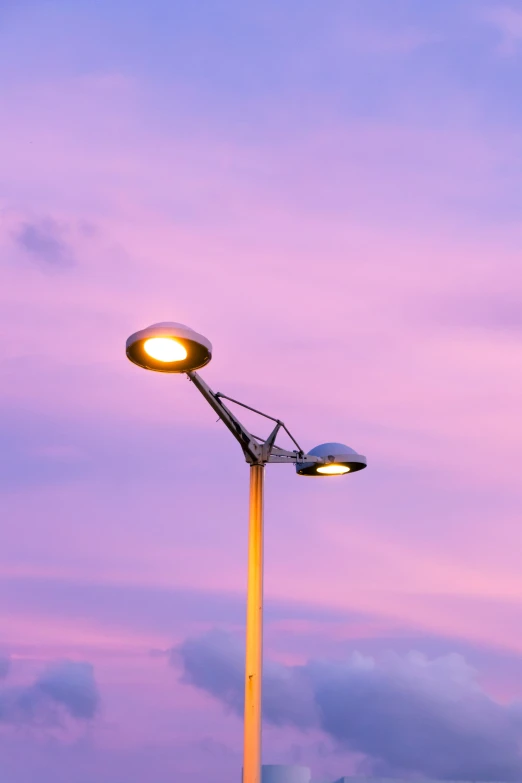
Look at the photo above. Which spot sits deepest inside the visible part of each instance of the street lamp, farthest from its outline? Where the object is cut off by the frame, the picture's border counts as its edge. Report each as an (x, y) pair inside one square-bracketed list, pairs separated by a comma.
[(175, 348)]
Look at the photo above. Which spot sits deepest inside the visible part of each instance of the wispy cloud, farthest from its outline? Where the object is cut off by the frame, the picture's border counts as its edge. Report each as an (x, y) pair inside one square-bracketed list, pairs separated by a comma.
[(397, 42), (487, 311), (43, 241), (508, 22), (5, 664)]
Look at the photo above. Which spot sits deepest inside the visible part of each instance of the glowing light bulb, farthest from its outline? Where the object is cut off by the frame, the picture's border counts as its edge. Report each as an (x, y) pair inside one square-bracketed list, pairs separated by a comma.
[(165, 349), (333, 470)]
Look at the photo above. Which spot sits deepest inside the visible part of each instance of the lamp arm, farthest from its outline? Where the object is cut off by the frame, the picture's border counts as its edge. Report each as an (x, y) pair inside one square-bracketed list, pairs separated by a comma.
[(255, 453), (291, 457), (251, 449)]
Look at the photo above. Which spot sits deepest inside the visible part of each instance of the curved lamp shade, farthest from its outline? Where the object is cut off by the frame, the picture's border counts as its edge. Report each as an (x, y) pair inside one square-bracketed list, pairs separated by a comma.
[(169, 347), (338, 460)]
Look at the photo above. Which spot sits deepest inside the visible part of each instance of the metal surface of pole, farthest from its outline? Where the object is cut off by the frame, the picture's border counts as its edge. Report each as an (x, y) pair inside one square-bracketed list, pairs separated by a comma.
[(254, 631)]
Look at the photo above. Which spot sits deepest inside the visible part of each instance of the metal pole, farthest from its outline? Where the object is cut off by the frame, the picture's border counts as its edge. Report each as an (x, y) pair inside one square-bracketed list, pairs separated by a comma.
[(254, 631)]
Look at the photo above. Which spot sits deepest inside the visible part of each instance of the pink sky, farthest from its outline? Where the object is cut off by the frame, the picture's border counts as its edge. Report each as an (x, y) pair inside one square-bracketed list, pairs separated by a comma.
[(334, 200)]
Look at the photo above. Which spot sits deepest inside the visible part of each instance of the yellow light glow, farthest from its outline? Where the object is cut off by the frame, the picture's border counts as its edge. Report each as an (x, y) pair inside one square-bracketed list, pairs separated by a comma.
[(165, 349), (333, 470)]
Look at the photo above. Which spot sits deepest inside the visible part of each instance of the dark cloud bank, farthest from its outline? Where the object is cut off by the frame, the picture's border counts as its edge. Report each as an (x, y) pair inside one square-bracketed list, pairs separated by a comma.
[(406, 714), (65, 689)]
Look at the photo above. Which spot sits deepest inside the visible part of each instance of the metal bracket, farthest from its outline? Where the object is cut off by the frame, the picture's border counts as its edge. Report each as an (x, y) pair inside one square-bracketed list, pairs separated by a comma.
[(269, 443), (257, 451), (251, 449)]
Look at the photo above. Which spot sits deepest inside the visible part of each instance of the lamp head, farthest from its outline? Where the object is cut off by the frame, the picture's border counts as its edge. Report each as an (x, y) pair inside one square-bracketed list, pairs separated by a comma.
[(338, 460), (169, 347)]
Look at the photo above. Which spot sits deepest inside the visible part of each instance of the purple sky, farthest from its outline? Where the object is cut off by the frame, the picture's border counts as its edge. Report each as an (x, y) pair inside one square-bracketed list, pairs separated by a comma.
[(331, 192)]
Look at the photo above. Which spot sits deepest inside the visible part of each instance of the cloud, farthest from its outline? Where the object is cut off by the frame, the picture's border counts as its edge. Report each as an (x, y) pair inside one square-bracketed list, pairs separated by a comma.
[(405, 714), (4, 667), (214, 663), (496, 312), (508, 22), (43, 241), (371, 41), (71, 684), (66, 687)]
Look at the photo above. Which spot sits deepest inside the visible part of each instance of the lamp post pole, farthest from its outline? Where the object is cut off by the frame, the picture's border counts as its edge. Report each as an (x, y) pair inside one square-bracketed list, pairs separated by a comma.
[(254, 630), (175, 348)]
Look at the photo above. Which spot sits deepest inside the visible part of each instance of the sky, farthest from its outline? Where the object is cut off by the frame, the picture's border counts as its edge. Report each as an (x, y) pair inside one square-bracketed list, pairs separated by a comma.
[(331, 193)]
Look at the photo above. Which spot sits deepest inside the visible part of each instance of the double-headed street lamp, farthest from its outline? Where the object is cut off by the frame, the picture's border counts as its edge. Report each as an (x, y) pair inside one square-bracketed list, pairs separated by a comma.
[(174, 348)]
